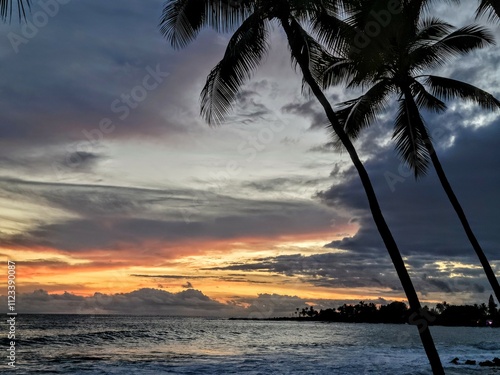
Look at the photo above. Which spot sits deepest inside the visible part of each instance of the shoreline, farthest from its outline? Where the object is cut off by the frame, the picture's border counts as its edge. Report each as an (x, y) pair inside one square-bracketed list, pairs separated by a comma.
[(284, 318)]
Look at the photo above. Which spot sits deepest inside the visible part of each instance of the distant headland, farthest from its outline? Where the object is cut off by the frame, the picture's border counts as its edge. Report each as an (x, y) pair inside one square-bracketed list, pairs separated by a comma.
[(442, 314)]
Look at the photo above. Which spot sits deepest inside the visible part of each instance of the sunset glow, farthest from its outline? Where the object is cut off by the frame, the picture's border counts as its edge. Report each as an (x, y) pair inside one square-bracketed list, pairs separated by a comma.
[(104, 194)]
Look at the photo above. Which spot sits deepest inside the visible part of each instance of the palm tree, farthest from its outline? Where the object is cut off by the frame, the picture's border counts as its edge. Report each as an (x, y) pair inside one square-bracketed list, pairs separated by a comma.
[(392, 65), (180, 24), (6, 9)]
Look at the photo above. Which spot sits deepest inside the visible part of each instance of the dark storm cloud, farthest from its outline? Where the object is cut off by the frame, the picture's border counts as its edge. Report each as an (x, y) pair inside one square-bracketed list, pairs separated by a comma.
[(232, 278), (374, 270), (440, 284), (330, 269), (419, 213), (476, 288), (77, 70)]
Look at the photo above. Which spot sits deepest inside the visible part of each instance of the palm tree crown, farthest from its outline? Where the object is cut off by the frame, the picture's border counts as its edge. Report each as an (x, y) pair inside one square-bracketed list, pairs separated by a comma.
[(392, 64), (250, 22)]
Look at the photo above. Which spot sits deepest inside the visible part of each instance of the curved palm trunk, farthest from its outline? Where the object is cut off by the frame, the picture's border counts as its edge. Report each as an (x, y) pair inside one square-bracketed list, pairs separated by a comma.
[(454, 200), (385, 233), (461, 215)]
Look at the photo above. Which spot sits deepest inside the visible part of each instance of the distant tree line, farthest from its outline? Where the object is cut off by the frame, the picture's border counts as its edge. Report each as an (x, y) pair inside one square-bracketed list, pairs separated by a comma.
[(398, 313)]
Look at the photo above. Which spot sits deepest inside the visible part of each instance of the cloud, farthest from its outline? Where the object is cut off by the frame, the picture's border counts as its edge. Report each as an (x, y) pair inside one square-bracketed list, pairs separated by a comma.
[(139, 191), (140, 302), (286, 188), (94, 217), (149, 301), (335, 269), (250, 108), (373, 273), (70, 95), (418, 212), (308, 109), (171, 276), (323, 148)]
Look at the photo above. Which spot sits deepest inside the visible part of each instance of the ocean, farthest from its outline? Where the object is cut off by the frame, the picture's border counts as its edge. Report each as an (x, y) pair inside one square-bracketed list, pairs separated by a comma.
[(105, 344)]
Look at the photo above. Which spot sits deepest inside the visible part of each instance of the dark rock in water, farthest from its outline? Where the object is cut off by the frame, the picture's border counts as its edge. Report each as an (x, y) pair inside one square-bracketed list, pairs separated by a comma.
[(454, 361), (486, 364), (496, 361), (470, 362)]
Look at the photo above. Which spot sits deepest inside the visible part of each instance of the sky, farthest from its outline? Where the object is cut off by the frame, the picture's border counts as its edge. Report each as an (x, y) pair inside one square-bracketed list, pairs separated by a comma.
[(116, 197)]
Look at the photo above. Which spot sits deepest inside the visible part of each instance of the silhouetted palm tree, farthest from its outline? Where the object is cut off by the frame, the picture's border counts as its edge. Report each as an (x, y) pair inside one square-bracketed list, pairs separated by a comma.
[(492, 308), (180, 24), (392, 66)]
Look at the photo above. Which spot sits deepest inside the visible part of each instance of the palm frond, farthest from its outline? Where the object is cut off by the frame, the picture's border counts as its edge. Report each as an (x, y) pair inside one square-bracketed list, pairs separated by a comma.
[(457, 43), (244, 52), (362, 12), (7, 8), (334, 71), (466, 39), (333, 32), (311, 51), (306, 10), (409, 137), (432, 29), (361, 112), (182, 20), (490, 9), (426, 100), (447, 89)]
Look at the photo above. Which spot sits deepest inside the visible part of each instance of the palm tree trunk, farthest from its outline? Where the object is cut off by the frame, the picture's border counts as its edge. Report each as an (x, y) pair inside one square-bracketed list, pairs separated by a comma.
[(385, 233), (454, 201), (461, 215)]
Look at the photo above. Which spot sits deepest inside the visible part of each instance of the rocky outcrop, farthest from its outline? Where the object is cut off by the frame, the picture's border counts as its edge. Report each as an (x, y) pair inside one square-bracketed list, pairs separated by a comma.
[(494, 363), (470, 362)]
